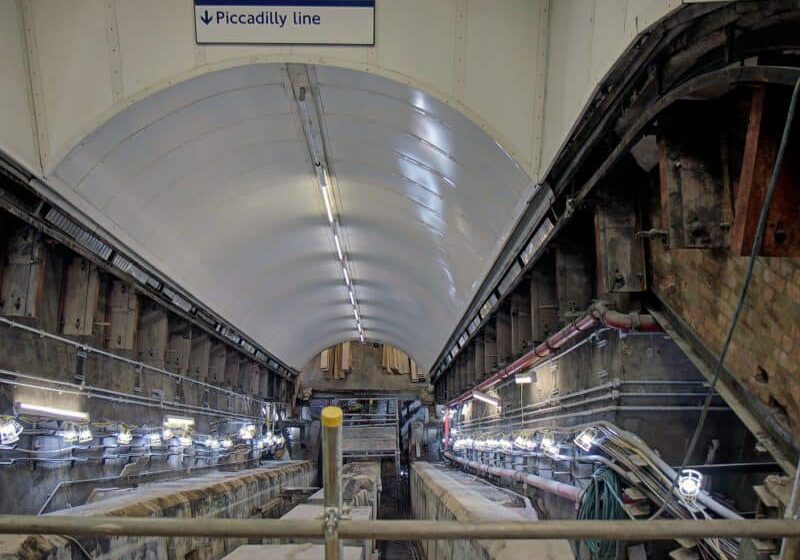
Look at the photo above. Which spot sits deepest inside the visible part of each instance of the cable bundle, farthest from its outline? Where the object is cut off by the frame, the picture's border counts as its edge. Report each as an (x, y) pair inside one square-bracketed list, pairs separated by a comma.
[(601, 501)]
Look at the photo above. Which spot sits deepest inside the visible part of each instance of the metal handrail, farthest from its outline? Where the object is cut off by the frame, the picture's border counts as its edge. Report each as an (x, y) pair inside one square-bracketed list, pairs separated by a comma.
[(398, 529)]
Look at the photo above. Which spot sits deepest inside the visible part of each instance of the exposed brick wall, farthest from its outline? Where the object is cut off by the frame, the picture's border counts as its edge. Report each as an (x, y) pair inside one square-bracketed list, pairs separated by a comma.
[(702, 286)]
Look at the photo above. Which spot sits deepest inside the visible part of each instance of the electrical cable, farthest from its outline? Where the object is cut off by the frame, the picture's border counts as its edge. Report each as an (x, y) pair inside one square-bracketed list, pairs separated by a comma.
[(599, 502), (748, 277)]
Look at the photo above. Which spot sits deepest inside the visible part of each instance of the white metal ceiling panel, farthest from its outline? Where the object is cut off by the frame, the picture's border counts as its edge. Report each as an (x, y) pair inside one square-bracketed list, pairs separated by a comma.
[(212, 176)]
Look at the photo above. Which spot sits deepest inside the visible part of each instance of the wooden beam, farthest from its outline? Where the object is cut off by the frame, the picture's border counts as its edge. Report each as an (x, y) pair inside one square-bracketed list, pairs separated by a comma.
[(232, 367), (50, 315)]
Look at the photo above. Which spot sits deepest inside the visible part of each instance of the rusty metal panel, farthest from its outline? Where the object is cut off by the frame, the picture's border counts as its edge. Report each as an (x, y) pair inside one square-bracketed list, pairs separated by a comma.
[(782, 235)]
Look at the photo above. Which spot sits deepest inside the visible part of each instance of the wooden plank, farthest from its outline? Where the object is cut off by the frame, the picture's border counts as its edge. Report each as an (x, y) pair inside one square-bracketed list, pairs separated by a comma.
[(81, 295), (179, 345), (152, 350), (503, 335), (50, 309), (765, 126), (544, 304), (200, 355), (480, 356), (490, 364), (23, 278), (122, 316), (619, 253), (347, 357), (232, 368), (520, 321), (690, 168), (325, 360), (573, 281)]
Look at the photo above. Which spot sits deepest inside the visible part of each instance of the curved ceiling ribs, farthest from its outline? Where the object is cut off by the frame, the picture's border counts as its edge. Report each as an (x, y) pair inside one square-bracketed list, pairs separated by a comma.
[(214, 178)]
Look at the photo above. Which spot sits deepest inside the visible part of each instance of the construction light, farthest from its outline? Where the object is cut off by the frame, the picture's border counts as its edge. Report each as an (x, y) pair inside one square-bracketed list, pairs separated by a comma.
[(326, 198), (10, 430), (84, 435), (346, 276), (185, 441), (154, 438), (69, 435), (167, 434), (211, 442), (485, 398), (689, 483), (505, 444), (124, 437), (586, 439), (549, 445), (51, 412), (227, 443), (178, 422), (247, 431), (524, 443)]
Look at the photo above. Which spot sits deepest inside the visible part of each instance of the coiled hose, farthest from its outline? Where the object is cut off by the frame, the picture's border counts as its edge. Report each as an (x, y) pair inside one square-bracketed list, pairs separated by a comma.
[(601, 501)]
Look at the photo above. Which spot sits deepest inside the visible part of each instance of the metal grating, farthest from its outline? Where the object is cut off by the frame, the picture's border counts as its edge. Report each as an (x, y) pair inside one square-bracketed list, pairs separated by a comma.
[(537, 240), (79, 234)]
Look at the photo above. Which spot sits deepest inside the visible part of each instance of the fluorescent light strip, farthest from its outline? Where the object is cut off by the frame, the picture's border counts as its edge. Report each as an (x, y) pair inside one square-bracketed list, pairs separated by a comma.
[(327, 200), (317, 156), (52, 412), (485, 398), (338, 246)]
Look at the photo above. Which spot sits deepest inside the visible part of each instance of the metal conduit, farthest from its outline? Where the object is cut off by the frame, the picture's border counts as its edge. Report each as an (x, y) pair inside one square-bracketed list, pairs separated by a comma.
[(596, 314), (567, 491), (92, 350)]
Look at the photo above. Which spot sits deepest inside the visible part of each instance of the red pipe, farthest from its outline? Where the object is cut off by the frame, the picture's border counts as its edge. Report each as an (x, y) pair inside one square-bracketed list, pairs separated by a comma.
[(566, 491), (598, 313)]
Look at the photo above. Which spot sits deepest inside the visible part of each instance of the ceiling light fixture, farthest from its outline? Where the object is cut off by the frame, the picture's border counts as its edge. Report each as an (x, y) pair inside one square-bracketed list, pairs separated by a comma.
[(312, 129)]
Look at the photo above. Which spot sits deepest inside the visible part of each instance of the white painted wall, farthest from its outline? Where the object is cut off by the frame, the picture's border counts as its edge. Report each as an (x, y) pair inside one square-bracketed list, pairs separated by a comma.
[(486, 58)]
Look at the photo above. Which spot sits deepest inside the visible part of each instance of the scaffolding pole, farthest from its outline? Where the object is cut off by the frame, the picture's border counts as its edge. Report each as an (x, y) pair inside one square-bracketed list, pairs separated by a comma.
[(332, 479)]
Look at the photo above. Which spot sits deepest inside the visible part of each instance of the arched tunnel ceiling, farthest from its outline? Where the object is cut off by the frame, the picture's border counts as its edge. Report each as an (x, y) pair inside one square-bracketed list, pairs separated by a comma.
[(212, 178)]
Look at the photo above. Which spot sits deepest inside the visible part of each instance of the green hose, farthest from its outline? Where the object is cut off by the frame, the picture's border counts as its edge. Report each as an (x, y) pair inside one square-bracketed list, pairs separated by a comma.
[(600, 501)]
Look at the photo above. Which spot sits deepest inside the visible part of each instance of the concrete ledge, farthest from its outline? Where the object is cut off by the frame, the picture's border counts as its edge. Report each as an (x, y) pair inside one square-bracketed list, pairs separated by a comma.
[(442, 494), (220, 494)]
